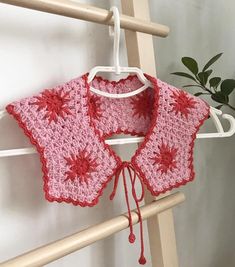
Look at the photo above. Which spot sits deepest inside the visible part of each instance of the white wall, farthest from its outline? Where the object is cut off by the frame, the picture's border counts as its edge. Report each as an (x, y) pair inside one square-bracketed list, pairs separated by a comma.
[(38, 50), (204, 223)]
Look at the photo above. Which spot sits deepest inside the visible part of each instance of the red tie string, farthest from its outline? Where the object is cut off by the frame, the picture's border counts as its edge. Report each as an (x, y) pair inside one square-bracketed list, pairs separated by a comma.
[(131, 170)]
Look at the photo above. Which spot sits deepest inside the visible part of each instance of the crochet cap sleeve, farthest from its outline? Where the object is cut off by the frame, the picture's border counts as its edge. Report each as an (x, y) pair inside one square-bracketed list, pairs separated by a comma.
[(57, 122), (166, 161)]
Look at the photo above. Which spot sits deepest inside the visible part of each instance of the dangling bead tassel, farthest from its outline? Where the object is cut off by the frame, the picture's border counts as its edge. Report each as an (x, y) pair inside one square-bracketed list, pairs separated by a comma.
[(131, 235), (142, 259), (119, 170)]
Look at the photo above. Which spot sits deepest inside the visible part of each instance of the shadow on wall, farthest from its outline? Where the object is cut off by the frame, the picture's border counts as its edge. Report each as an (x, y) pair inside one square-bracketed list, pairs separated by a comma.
[(21, 190), (50, 36)]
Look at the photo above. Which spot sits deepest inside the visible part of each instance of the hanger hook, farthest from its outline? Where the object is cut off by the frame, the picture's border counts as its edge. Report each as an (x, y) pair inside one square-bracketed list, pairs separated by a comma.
[(115, 29)]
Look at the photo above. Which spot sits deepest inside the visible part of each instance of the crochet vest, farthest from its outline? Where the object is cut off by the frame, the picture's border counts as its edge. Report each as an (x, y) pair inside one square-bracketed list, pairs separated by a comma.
[(68, 125)]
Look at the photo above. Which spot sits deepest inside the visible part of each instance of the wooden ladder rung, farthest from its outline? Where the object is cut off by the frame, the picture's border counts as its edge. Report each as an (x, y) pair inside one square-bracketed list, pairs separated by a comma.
[(86, 12), (60, 248)]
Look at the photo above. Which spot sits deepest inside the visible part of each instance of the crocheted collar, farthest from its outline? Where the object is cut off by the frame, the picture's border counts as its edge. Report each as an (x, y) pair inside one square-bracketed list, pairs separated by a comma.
[(153, 122), (77, 167)]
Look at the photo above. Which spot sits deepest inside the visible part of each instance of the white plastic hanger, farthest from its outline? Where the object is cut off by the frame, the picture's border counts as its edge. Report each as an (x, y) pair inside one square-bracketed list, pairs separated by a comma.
[(214, 113), (117, 69)]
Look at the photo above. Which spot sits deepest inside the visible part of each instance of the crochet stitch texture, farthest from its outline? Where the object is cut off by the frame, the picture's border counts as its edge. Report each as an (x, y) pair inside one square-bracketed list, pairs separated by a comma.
[(68, 125)]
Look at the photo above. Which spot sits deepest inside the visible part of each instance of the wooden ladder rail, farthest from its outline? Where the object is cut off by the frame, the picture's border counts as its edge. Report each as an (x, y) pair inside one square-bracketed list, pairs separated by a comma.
[(72, 9), (140, 52), (58, 249)]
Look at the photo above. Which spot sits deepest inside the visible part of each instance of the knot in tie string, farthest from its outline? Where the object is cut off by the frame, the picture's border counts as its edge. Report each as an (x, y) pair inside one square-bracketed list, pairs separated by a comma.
[(133, 176)]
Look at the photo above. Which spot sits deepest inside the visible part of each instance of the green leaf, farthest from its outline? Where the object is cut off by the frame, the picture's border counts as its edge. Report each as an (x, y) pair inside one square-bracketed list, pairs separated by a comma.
[(203, 76), (183, 74), (191, 64), (211, 61), (214, 82), (227, 86), (219, 97), (199, 93), (208, 72), (219, 106)]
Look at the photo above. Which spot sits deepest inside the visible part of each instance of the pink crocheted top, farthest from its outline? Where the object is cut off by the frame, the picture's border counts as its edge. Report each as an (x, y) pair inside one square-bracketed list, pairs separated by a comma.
[(68, 125)]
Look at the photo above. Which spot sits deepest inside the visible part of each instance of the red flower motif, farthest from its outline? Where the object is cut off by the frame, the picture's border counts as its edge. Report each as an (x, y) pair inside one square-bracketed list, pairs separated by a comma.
[(55, 103), (80, 167), (143, 104), (183, 103), (165, 158), (95, 108)]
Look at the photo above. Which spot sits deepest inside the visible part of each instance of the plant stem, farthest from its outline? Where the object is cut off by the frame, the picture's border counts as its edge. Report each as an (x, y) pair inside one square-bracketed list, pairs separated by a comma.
[(233, 108), (204, 88), (210, 92)]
